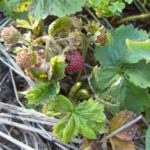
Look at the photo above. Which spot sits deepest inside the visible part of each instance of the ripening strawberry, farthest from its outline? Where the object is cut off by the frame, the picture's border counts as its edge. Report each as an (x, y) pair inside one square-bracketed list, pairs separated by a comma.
[(75, 62), (24, 59), (10, 35)]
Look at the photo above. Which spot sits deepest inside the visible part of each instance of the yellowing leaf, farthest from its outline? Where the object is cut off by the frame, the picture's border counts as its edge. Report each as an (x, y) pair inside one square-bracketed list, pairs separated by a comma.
[(23, 24), (24, 6), (86, 118)]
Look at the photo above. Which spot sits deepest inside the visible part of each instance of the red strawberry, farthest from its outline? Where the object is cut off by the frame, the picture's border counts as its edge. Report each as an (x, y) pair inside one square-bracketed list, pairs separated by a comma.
[(75, 62)]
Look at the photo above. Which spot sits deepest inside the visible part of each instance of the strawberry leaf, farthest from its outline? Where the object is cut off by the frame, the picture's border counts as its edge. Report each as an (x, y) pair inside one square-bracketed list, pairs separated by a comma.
[(57, 8), (41, 92), (136, 99), (147, 139), (104, 77), (137, 51), (65, 129), (57, 67), (113, 53), (138, 74), (86, 118)]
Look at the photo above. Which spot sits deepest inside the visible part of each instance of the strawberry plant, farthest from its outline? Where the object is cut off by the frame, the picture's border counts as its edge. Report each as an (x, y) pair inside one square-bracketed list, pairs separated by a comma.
[(92, 80), (120, 81), (108, 7), (41, 9)]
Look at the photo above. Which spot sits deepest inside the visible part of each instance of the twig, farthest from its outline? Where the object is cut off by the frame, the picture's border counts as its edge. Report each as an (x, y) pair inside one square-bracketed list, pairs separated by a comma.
[(15, 89), (92, 14), (36, 120), (7, 64), (122, 128), (97, 19), (5, 147), (3, 79), (25, 112), (16, 142), (15, 66), (133, 18)]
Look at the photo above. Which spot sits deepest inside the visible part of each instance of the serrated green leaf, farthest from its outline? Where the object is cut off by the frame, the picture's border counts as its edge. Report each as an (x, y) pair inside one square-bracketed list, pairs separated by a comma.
[(86, 118), (73, 6), (102, 78), (138, 74), (117, 7), (115, 95), (64, 103), (69, 131), (113, 53), (137, 51), (56, 8), (57, 67), (86, 130), (41, 9), (147, 139), (59, 127), (94, 2), (38, 74), (41, 92), (136, 99)]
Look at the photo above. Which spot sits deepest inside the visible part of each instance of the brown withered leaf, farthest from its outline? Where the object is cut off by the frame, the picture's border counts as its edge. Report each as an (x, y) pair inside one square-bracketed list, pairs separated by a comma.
[(118, 144), (121, 119), (86, 144), (123, 140), (91, 144)]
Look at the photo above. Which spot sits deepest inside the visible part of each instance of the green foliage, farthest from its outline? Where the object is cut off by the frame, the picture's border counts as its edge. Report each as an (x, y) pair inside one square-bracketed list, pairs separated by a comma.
[(138, 74), (14, 9), (42, 92), (108, 76), (40, 9), (57, 67), (113, 53), (136, 99), (137, 51), (124, 73), (61, 8), (86, 118), (108, 7), (61, 25), (147, 139), (38, 74)]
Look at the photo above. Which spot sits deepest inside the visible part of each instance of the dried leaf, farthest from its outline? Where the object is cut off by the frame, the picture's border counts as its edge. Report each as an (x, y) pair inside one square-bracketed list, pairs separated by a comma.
[(118, 144), (123, 140)]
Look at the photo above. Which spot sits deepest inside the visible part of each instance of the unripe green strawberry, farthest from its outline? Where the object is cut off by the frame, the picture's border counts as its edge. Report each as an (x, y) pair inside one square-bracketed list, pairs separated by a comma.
[(10, 35), (25, 59), (82, 94), (74, 89)]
